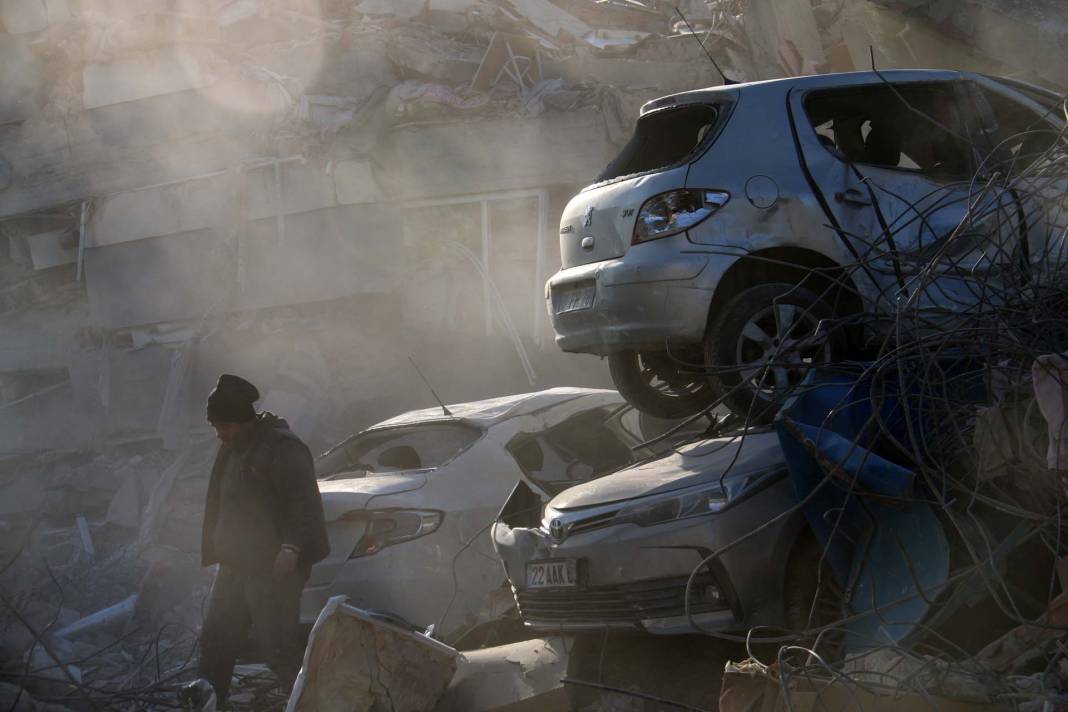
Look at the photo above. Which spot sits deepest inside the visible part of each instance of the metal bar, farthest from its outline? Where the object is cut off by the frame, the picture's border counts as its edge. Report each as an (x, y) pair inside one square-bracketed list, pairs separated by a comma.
[(487, 295), (539, 267), (81, 239)]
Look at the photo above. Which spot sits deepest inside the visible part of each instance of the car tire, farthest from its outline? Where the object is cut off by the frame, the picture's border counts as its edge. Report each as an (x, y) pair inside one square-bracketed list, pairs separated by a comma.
[(650, 381), (748, 329)]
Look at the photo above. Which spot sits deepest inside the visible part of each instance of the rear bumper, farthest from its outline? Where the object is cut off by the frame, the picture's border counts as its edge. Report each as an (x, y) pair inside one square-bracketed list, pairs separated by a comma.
[(408, 580), (641, 300)]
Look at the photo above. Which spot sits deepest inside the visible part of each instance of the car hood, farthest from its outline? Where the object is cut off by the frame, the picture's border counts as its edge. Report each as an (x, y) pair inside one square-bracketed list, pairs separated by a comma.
[(693, 464), (340, 496)]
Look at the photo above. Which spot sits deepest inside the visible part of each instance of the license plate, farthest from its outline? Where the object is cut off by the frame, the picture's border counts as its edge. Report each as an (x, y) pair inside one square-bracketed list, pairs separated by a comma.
[(574, 299), (562, 573)]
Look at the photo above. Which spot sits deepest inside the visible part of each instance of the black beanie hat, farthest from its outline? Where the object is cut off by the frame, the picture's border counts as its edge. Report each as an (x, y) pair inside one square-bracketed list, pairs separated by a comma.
[(231, 400)]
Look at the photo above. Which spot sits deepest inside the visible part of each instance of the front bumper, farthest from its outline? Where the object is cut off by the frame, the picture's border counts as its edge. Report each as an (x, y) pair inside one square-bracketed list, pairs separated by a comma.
[(634, 578), (642, 299)]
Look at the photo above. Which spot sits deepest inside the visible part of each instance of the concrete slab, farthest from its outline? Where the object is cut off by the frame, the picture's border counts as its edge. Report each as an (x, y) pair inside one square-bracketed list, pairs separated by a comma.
[(170, 278), (324, 254), (164, 210), (355, 182), (40, 339), (163, 71), (57, 177), (301, 186), (495, 154), (24, 79)]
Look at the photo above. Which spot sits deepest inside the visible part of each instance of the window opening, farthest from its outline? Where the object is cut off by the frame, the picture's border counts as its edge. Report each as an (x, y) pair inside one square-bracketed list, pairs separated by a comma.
[(406, 448), (579, 449), (871, 125), (664, 138)]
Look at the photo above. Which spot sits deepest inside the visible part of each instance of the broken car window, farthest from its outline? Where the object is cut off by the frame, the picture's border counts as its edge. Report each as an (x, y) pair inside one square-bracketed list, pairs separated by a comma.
[(413, 447), (912, 127), (663, 138), (579, 449), (1027, 134)]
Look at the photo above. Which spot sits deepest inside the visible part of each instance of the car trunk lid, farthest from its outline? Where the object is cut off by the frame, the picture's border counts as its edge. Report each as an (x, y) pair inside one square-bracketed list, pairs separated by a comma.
[(341, 497), (597, 224)]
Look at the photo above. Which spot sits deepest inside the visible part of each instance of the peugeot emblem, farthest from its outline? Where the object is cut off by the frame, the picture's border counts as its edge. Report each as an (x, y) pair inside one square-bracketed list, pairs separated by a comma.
[(557, 531), (589, 216)]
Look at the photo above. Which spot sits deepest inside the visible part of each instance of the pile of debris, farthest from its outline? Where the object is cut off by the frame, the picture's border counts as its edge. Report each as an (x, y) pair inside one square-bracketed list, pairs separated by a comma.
[(100, 581)]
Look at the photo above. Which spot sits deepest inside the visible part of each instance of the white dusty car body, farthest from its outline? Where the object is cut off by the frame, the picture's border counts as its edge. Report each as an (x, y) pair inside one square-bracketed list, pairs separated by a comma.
[(409, 525)]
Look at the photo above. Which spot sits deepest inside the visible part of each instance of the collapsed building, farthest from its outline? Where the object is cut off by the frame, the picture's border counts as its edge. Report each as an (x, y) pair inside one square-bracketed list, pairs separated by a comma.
[(311, 192)]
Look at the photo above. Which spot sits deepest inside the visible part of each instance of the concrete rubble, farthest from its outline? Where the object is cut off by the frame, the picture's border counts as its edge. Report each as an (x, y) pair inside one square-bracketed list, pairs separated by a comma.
[(292, 190), (359, 661)]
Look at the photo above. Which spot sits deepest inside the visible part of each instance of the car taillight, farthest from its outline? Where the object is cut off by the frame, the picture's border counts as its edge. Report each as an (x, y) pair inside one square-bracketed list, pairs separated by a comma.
[(671, 213), (386, 527)]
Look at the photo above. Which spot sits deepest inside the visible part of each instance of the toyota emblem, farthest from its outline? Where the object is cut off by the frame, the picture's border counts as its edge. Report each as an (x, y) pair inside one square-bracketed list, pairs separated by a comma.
[(557, 530)]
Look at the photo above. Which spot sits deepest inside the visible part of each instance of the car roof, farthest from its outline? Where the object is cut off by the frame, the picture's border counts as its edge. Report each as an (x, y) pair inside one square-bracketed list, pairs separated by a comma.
[(835, 79), (485, 413)]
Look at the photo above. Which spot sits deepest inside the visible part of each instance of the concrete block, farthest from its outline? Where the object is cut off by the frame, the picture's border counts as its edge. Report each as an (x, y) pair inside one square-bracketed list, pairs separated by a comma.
[(163, 71), (52, 249), (20, 16), (354, 181)]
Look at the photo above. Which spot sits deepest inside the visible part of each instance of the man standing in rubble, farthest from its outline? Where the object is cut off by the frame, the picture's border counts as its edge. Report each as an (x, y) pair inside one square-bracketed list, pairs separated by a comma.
[(263, 525)]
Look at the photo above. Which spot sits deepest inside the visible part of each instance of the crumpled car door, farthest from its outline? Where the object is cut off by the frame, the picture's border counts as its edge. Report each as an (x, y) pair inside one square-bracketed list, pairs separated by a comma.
[(894, 166)]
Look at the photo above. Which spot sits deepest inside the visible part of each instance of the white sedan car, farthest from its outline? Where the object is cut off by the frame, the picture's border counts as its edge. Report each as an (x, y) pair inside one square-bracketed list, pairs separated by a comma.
[(410, 501)]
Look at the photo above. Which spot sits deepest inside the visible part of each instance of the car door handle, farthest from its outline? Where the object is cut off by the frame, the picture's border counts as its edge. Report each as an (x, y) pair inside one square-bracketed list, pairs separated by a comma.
[(853, 197)]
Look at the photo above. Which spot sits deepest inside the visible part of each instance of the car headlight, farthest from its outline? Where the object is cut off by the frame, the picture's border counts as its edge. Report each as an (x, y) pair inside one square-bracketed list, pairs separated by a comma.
[(386, 527), (707, 500), (673, 212)]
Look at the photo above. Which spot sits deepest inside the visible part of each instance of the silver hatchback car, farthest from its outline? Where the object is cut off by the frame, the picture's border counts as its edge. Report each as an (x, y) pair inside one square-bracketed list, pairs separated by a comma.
[(726, 246)]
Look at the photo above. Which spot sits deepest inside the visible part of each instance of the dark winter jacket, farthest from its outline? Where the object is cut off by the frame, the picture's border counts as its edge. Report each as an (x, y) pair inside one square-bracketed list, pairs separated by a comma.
[(274, 501)]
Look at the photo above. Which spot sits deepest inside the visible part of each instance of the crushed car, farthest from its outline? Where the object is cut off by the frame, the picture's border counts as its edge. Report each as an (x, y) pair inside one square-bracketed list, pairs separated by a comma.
[(617, 553), (713, 252), (409, 522)]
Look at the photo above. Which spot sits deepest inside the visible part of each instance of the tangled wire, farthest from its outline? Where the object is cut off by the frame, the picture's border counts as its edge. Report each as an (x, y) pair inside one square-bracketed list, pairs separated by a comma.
[(955, 352)]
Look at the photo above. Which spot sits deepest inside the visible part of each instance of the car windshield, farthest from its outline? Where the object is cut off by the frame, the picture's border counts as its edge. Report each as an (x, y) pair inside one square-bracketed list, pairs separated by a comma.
[(663, 138), (410, 447)]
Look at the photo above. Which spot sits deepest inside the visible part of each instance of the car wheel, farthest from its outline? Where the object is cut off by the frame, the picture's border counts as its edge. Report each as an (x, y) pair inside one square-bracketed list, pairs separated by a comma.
[(763, 343), (652, 382)]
